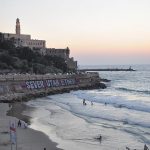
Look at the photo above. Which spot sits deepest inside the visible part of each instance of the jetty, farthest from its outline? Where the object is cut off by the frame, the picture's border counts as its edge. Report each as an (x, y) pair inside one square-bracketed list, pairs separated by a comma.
[(108, 69)]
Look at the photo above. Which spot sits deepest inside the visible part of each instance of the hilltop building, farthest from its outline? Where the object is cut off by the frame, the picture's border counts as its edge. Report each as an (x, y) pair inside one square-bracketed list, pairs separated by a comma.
[(24, 40), (63, 53)]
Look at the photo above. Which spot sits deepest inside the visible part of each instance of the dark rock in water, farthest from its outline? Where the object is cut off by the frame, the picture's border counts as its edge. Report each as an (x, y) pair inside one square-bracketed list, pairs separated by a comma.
[(105, 80), (102, 86), (125, 122)]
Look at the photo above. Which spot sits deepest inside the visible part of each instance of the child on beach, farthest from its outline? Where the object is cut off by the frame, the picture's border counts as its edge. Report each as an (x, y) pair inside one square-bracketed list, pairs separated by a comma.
[(25, 125)]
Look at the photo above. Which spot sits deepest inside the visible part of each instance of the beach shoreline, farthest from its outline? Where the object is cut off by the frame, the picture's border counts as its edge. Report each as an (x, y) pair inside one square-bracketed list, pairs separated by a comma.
[(27, 139)]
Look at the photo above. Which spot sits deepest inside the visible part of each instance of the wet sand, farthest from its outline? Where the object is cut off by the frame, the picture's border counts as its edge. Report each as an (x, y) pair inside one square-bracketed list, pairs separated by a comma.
[(27, 139)]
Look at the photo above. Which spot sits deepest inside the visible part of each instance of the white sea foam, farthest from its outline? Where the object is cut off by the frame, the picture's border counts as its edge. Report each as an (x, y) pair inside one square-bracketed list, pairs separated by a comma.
[(100, 111), (120, 113), (116, 101), (71, 131)]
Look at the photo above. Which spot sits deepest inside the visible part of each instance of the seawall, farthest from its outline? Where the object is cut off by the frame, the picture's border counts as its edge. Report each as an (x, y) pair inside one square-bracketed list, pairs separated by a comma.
[(21, 87)]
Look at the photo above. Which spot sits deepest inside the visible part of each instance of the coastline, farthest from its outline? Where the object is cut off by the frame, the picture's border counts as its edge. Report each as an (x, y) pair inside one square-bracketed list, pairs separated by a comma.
[(27, 139), (19, 88), (15, 91)]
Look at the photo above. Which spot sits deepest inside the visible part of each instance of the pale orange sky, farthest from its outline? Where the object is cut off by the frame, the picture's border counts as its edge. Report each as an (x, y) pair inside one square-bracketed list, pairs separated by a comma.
[(104, 32)]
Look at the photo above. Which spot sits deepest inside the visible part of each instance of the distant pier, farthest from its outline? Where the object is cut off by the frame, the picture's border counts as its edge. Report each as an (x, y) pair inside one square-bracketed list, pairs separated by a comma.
[(108, 69)]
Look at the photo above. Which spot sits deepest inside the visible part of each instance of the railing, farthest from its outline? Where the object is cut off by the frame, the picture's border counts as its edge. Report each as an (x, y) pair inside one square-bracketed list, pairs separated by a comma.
[(23, 77)]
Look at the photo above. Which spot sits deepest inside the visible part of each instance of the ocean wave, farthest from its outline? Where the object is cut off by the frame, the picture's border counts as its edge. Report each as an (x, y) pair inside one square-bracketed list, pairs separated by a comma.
[(115, 101), (99, 113), (135, 91), (93, 114), (89, 115), (109, 117), (141, 136)]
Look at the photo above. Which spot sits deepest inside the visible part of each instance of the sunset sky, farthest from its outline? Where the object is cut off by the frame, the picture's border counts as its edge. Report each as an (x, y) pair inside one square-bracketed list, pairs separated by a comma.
[(97, 32)]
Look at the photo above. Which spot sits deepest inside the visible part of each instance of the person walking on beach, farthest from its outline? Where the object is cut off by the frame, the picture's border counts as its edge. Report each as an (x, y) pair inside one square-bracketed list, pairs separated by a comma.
[(145, 147), (19, 123), (91, 103)]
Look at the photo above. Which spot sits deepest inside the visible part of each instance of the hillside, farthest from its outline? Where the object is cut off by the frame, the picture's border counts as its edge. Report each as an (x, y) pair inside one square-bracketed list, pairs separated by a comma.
[(25, 60)]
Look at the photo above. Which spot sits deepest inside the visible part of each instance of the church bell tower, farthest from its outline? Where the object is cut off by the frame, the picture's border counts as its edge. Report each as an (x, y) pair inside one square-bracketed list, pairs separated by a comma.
[(17, 27)]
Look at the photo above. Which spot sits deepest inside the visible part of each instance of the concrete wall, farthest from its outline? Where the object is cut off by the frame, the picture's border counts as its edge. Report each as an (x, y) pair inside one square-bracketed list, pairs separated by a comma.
[(19, 86)]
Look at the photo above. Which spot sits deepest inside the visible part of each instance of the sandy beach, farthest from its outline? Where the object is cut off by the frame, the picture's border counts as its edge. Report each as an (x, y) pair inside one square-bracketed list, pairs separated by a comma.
[(27, 139)]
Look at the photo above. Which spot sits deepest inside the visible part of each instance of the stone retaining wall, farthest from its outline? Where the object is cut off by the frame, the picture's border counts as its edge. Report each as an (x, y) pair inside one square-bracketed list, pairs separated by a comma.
[(21, 87)]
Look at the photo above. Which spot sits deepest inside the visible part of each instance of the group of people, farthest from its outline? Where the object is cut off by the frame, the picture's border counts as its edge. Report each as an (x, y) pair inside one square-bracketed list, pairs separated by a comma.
[(145, 147), (100, 137), (84, 103), (22, 124)]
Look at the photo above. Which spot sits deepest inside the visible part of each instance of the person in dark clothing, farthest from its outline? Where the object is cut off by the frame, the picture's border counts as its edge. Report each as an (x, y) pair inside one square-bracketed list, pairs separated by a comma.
[(99, 138), (19, 123), (145, 147), (84, 102)]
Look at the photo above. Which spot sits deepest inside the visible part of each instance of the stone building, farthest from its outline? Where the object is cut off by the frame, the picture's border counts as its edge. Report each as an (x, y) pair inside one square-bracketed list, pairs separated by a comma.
[(24, 40), (63, 53), (71, 64)]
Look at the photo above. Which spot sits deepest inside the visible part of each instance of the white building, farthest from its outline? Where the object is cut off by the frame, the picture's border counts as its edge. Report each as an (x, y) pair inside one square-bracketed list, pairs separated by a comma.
[(24, 40)]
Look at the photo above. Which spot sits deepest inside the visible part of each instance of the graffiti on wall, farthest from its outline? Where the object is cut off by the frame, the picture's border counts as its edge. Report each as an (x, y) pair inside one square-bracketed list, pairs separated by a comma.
[(38, 84)]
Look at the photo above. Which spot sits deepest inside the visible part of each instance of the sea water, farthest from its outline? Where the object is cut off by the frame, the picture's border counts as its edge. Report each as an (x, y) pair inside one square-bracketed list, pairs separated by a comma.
[(120, 113)]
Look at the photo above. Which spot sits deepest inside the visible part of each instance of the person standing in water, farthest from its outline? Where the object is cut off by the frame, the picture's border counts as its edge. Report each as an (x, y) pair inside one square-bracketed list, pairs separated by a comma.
[(145, 147), (84, 102), (99, 138)]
